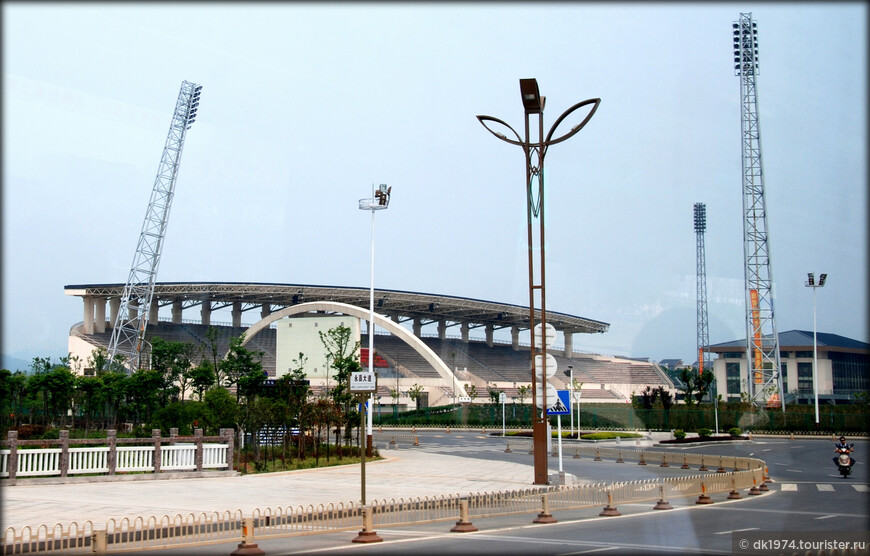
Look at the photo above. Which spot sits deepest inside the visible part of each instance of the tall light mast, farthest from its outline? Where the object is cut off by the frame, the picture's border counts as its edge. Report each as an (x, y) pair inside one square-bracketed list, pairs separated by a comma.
[(128, 327), (701, 283), (764, 380)]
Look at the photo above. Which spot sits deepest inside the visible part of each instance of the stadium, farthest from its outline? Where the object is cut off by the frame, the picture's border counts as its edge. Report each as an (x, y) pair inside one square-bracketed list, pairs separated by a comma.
[(412, 345)]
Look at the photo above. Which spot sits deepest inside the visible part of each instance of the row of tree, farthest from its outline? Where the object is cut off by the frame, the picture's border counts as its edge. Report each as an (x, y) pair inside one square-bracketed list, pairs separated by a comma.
[(187, 388)]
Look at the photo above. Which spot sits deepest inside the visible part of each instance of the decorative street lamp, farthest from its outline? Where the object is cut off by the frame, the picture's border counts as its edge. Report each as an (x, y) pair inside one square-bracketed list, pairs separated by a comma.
[(811, 283), (533, 103), (379, 200)]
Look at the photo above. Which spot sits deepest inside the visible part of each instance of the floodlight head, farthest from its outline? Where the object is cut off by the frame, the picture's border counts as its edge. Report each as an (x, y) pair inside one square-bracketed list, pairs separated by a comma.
[(532, 100), (822, 279), (700, 217), (811, 280)]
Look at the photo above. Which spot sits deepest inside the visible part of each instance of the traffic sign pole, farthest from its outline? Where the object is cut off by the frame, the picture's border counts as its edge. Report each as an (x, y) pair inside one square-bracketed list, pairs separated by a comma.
[(559, 432)]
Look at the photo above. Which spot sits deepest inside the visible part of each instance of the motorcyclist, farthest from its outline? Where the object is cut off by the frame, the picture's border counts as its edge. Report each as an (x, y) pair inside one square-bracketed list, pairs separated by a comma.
[(843, 446)]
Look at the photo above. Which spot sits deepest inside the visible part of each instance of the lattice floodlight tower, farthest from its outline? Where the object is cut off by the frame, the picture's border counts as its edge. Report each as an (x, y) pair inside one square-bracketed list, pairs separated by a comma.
[(701, 283), (764, 382), (128, 328)]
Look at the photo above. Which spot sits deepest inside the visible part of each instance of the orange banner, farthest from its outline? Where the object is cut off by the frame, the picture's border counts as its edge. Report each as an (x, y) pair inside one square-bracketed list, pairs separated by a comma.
[(756, 326)]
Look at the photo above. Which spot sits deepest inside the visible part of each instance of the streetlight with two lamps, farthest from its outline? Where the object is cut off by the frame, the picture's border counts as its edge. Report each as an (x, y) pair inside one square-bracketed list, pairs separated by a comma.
[(811, 283), (533, 104)]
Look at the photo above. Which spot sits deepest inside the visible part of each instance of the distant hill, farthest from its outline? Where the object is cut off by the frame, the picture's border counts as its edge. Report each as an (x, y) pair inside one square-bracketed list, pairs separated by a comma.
[(13, 363)]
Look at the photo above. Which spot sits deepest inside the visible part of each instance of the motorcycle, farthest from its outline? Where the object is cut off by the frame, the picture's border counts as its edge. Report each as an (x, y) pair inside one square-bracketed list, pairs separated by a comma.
[(844, 460)]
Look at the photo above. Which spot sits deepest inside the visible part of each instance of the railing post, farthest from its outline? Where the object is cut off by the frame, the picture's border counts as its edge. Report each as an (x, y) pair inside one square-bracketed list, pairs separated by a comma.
[(545, 516), (112, 456), (12, 462), (463, 525), (247, 547), (368, 534), (609, 509), (99, 542), (173, 435), (662, 504), (227, 435), (197, 437), (155, 439), (64, 453)]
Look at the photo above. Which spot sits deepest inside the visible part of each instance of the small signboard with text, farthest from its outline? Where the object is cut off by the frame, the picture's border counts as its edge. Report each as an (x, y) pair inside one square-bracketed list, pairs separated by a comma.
[(362, 382)]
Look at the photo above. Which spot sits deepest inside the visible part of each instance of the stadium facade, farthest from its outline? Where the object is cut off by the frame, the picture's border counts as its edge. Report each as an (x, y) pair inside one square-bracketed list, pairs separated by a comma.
[(442, 364)]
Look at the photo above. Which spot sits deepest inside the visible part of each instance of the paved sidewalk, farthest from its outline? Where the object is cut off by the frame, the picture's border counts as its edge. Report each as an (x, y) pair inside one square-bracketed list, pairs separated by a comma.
[(404, 473)]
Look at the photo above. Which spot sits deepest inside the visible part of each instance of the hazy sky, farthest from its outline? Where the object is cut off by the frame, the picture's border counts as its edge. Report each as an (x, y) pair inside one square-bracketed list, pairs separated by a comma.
[(304, 106)]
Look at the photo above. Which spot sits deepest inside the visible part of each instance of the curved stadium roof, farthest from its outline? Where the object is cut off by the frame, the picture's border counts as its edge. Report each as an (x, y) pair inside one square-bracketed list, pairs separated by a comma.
[(425, 306)]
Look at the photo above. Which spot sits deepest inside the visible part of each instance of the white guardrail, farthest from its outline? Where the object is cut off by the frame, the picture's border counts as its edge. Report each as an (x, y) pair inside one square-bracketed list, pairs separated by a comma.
[(30, 458)]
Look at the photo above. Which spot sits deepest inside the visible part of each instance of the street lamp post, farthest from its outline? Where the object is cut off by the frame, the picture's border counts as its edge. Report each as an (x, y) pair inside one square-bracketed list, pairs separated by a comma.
[(811, 283), (379, 200), (533, 104), (570, 373)]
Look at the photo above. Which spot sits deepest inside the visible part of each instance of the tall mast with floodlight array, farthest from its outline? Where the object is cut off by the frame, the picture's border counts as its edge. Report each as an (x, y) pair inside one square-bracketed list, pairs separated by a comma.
[(128, 326), (701, 283), (764, 380)]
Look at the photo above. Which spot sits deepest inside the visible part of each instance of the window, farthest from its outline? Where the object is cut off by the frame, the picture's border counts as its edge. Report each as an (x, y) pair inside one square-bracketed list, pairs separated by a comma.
[(732, 378), (807, 354), (805, 376), (784, 370), (850, 371), (733, 355)]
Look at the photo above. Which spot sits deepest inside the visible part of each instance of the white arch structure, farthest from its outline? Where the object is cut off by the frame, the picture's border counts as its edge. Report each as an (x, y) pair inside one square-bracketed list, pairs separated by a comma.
[(380, 320)]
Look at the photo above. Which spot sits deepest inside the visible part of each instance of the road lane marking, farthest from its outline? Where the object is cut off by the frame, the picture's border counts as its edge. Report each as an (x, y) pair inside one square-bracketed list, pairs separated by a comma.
[(861, 488), (603, 548), (826, 516), (825, 488), (736, 531), (785, 487)]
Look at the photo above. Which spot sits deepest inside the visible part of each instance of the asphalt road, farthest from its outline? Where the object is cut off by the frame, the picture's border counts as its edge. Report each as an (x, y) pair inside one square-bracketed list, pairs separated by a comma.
[(807, 495)]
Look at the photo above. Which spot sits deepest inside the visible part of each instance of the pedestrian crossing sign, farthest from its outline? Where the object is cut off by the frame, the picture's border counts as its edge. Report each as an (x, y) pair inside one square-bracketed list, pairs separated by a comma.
[(561, 406)]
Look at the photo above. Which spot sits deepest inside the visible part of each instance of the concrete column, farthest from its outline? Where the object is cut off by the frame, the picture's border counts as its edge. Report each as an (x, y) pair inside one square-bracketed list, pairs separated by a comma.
[(197, 438), (418, 326), (155, 439), (463, 329), (12, 458), (99, 315), (515, 337), (88, 317), (114, 308), (489, 334), (265, 310), (64, 453), (227, 436), (177, 311), (569, 343), (112, 456), (237, 314), (442, 329), (205, 312), (152, 312)]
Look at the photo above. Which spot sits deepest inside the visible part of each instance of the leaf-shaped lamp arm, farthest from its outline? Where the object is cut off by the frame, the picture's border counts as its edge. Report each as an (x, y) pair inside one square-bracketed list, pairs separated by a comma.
[(594, 101), (502, 136)]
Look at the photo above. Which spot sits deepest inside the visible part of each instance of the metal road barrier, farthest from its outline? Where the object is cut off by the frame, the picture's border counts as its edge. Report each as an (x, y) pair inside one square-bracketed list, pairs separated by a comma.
[(198, 529)]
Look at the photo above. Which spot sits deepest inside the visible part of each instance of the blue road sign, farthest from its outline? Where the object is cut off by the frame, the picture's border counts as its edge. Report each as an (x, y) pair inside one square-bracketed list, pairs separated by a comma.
[(561, 406)]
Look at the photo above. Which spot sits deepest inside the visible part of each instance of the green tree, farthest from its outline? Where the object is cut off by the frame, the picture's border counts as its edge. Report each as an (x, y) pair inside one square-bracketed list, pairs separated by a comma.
[(143, 394), (212, 347), (221, 410), (342, 356), (201, 377), (493, 393), (523, 391), (241, 362), (695, 385), (415, 393)]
